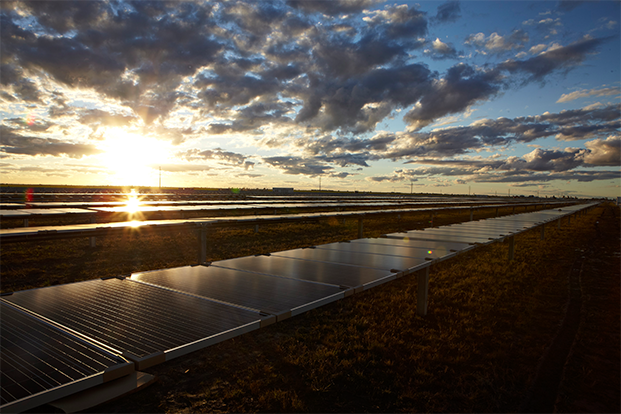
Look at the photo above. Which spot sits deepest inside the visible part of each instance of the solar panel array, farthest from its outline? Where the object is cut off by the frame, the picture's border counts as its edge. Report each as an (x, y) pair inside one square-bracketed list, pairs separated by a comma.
[(60, 336), (41, 363)]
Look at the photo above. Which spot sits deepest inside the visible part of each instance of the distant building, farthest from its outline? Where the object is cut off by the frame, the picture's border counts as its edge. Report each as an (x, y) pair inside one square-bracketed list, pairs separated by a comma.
[(282, 191)]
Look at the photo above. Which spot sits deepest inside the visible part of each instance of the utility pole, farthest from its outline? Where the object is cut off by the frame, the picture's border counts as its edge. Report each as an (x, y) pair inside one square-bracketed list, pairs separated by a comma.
[(411, 188)]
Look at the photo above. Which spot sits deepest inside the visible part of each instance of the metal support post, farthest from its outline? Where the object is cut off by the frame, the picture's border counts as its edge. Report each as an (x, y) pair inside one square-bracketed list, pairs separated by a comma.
[(511, 247), (93, 241), (471, 213), (543, 231), (256, 228), (423, 292), (496, 211), (202, 244), (25, 222), (513, 212), (360, 228)]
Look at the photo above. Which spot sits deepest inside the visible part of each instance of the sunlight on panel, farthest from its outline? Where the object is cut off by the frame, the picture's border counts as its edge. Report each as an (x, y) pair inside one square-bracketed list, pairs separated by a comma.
[(131, 158), (133, 202)]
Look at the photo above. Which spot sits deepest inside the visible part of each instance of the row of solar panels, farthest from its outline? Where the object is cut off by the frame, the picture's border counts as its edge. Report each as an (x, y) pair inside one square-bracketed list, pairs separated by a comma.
[(62, 339), (56, 209), (95, 229), (253, 202), (128, 212)]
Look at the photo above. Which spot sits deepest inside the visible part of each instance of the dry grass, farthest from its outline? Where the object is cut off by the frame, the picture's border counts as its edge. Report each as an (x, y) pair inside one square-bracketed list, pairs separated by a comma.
[(489, 323)]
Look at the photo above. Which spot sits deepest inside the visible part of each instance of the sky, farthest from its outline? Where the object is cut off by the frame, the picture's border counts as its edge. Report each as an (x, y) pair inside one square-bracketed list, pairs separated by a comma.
[(457, 97)]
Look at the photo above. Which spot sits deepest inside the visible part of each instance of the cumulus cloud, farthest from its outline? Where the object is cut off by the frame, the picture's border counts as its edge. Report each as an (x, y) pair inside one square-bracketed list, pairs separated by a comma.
[(605, 152), (586, 93), (316, 77), (333, 7), (297, 165), (496, 43), (219, 154), (441, 50)]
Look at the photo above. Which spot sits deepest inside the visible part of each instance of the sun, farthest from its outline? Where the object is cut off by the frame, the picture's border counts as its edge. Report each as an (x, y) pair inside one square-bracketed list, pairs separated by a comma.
[(133, 159)]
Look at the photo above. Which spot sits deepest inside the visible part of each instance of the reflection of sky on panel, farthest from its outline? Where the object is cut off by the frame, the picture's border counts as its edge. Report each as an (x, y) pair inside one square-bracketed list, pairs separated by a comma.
[(251, 290), (316, 271), (377, 261)]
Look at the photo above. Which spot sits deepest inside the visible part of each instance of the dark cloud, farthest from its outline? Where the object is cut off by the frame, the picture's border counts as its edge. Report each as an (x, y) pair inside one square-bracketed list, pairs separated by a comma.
[(297, 166), (328, 145), (216, 154), (563, 58), (12, 143), (569, 5), (332, 7), (352, 105), (448, 12), (461, 87), (97, 116)]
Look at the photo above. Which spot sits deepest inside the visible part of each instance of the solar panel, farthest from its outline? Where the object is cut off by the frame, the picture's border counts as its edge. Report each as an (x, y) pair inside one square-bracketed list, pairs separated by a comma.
[(40, 363), (392, 264), (369, 248), (144, 323), (14, 213), (437, 248), (321, 272), (270, 294), (430, 235), (482, 233)]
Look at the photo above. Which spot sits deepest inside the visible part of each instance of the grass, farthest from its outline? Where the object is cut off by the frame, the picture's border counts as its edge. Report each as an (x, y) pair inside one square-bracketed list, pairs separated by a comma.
[(489, 323)]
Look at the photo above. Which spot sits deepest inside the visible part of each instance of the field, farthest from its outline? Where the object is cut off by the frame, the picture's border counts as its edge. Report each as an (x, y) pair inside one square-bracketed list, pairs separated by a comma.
[(490, 324)]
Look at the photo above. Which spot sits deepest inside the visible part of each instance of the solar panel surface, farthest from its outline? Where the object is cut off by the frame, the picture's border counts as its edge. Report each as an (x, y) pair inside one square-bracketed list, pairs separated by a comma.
[(377, 261), (331, 273), (134, 319), (37, 360), (260, 292)]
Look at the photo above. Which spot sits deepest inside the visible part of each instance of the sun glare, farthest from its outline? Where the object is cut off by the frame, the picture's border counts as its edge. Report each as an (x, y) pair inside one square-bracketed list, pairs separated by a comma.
[(133, 202), (133, 159)]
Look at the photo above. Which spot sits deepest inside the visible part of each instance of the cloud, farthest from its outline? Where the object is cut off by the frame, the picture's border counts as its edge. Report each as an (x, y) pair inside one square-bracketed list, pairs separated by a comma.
[(496, 43), (297, 166), (462, 87), (13, 143), (219, 154), (548, 25), (585, 93), (441, 50), (184, 167), (448, 12), (317, 78), (604, 152), (562, 58), (332, 7), (569, 5)]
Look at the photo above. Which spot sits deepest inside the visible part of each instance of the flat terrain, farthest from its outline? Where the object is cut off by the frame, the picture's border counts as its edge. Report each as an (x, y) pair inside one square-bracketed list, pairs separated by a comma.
[(489, 325)]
